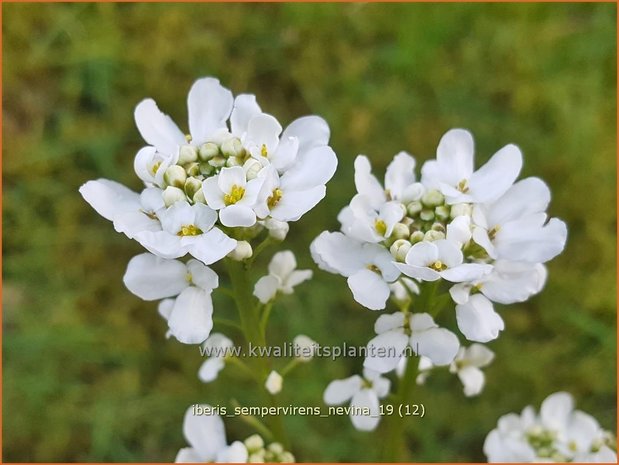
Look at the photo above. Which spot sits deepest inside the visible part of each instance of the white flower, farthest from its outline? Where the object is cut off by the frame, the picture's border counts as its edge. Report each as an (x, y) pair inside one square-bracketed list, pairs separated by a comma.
[(283, 277), (453, 170), (217, 346), (477, 319), (274, 382), (430, 261), (515, 226), (368, 267), (363, 394), (189, 316), (558, 434), (398, 330), (467, 366), (234, 196), (207, 437), (304, 347)]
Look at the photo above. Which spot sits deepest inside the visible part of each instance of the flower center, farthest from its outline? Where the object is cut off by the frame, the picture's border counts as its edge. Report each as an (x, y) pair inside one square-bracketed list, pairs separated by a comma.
[(438, 266), (373, 268), (189, 230), (380, 226), (263, 150), (275, 198), (236, 194), (155, 167), (463, 186)]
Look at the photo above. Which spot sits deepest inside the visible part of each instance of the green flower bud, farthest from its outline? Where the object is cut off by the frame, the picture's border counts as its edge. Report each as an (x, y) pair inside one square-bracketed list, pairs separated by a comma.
[(217, 162), (414, 208), (400, 231), (286, 457), (206, 169), (426, 215), (461, 209), (172, 195), (187, 154), (258, 457), (208, 151), (438, 227), (399, 249), (198, 197), (432, 235), (193, 169), (254, 443), (232, 148), (276, 448), (192, 186), (277, 229), (233, 161), (175, 176), (417, 236), (432, 198), (242, 251), (441, 212), (252, 167)]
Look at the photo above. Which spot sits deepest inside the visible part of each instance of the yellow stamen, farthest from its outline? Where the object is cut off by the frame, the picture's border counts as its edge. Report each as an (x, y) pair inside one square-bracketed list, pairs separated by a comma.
[(493, 232), (463, 186), (380, 226), (189, 230), (438, 266), (275, 198), (373, 268), (188, 138), (189, 278), (263, 150), (155, 167), (236, 194)]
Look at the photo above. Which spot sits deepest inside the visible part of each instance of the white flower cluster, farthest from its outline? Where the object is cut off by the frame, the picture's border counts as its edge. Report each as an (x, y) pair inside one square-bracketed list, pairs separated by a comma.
[(210, 192), (557, 434), (483, 233), (207, 436)]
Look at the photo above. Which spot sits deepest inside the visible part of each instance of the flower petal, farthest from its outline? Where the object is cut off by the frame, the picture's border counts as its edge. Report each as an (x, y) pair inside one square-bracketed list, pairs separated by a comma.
[(311, 131), (314, 168), (205, 433), (385, 351), (266, 288), (263, 129), (493, 179), (369, 289), (466, 272), (157, 129), (282, 264), (109, 198), (367, 184), (294, 204), (388, 322), (472, 379), (234, 453), (400, 175), (336, 253), (212, 246), (202, 276), (422, 254), (188, 455), (191, 319), (438, 344), (153, 278), (209, 105), (365, 401), (245, 108), (237, 216), (477, 319), (210, 369), (556, 410), (341, 390)]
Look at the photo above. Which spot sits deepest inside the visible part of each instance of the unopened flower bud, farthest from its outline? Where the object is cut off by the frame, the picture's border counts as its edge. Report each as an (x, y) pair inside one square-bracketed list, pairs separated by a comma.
[(206, 169), (192, 185), (217, 162), (276, 448), (278, 230), (187, 154), (233, 161), (432, 198), (415, 191), (208, 151), (417, 236), (242, 251), (304, 347), (274, 382), (399, 249), (426, 215), (461, 209), (175, 176), (286, 457), (414, 208), (257, 457), (400, 231), (432, 235), (172, 195), (441, 213), (198, 197), (232, 147), (438, 227), (252, 167), (193, 169), (254, 443)]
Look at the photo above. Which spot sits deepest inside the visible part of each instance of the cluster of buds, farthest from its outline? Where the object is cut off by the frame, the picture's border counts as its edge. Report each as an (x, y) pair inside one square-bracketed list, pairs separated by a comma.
[(271, 453)]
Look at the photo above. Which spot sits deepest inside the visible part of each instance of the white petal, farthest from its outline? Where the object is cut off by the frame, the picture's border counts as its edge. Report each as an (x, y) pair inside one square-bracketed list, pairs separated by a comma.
[(365, 399), (421, 322), (438, 344), (294, 279), (478, 355), (212, 246), (144, 162), (210, 369), (473, 380), (266, 288), (460, 293), (202, 276), (165, 308), (366, 183), (449, 252), (230, 177), (391, 213), (153, 278), (109, 198), (205, 433), (293, 204), (188, 455), (212, 193), (381, 387), (282, 264), (422, 273), (400, 175), (311, 131), (209, 105), (191, 319), (556, 410), (264, 130), (314, 168), (459, 230), (582, 429), (480, 236), (204, 217), (369, 289), (336, 253), (286, 154), (245, 108), (133, 222), (176, 216), (157, 128), (161, 243), (477, 319), (508, 284), (466, 272), (341, 390), (237, 216), (455, 155), (494, 178), (518, 242), (528, 196), (385, 351), (388, 322), (422, 254), (234, 453)]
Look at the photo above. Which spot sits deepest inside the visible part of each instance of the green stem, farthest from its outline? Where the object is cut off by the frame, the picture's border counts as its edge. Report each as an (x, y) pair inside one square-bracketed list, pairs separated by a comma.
[(264, 319)]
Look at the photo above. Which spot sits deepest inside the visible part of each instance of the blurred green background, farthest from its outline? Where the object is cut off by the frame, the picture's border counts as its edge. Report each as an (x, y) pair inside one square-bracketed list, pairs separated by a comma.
[(88, 374)]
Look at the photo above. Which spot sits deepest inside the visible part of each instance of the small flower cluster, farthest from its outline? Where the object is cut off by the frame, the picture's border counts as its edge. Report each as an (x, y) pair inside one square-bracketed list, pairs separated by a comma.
[(209, 193), (480, 231), (207, 436), (557, 434)]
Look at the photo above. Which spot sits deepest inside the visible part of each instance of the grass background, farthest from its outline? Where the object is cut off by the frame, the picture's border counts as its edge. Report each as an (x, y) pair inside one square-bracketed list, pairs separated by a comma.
[(88, 375)]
